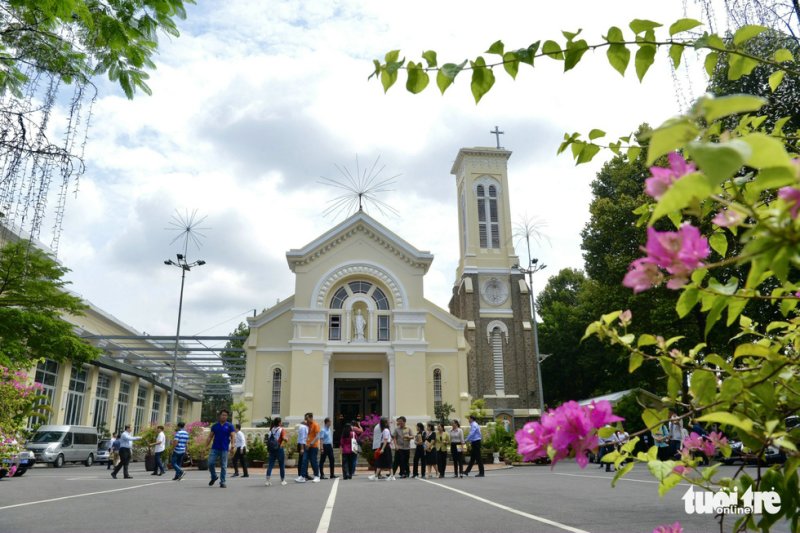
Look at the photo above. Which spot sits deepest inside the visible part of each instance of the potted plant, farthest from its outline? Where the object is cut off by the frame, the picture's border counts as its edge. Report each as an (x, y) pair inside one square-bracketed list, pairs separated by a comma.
[(365, 439), (256, 453), (196, 448), (291, 450), (143, 446)]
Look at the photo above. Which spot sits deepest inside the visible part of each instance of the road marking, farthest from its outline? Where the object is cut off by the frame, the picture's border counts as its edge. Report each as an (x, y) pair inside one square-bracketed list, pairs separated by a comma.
[(509, 509), (620, 479), (325, 521), (79, 495)]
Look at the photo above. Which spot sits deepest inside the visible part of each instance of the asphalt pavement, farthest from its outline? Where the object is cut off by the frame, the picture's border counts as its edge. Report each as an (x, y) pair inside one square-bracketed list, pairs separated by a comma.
[(521, 499)]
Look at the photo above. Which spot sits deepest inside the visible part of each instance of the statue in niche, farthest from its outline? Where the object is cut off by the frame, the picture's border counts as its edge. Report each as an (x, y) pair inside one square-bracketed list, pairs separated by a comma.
[(360, 325)]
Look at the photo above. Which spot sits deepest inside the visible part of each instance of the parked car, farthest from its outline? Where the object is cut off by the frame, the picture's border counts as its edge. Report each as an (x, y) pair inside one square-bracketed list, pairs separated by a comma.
[(22, 460), (103, 451), (57, 445)]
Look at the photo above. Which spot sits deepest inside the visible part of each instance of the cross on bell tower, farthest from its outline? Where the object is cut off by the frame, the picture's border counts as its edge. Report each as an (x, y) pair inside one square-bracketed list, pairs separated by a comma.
[(497, 133)]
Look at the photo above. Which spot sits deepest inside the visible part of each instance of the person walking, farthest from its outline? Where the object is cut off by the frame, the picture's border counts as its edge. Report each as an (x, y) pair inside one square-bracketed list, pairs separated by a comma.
[(348, 446), (276, 443), (457, 448), (239, 456), (179, 450), (442, 445), (312, 446), (383, 462), (419, 450), (302, 463), (223, 435), (158, 451), (474, 440), (430, 449), (326, 435), (675, 435), (126, 441), (113, 455)]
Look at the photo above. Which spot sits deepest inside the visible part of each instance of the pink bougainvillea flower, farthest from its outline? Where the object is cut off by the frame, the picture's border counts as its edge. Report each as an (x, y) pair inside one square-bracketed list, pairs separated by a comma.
[(717, 439), (643, 274), (569, 429), (728, 218), (680, 469), (625, 317), (661, 179), (791, 195), (669, 528)]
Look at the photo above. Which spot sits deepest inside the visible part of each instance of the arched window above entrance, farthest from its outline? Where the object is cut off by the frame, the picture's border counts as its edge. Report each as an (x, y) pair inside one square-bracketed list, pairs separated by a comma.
[(359, 311)]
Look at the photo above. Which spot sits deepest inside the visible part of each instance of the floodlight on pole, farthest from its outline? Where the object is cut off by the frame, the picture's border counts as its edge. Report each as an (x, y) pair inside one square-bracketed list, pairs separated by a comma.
[(535, 267)]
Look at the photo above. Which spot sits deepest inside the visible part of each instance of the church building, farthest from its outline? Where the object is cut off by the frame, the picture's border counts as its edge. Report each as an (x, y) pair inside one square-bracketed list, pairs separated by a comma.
[(359, 337)]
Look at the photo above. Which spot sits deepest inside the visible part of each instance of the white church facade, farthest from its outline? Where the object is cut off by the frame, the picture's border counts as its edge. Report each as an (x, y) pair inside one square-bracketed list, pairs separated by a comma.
[(358, 336)]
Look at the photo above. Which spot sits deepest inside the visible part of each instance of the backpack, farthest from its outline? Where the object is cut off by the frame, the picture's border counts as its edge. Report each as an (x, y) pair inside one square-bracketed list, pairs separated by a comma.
[(273, 443)]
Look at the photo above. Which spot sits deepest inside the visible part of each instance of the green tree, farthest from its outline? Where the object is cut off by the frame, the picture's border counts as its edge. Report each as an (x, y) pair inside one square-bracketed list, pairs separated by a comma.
[(236, 366), (213, 402), (33, 300), (78, 39)]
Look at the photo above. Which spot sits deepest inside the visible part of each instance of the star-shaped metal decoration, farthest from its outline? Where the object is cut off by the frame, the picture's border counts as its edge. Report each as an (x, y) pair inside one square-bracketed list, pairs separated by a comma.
[(188, 226), (361, 189)]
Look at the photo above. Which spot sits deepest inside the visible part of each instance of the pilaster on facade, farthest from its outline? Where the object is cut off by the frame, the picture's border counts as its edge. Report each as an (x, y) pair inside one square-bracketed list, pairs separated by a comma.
[(62, 384), (90, 395), (132, 400), (113, 399)]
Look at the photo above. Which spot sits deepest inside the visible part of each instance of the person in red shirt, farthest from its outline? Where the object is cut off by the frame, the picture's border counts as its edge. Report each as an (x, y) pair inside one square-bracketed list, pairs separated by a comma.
[(312, 445)]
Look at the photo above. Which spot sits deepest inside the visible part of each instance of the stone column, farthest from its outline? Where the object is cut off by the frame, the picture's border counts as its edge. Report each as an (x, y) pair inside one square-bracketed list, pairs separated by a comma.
[(62, 390), (89, 396), (326, 374), (132, 402), (392, 385), (113, 401)]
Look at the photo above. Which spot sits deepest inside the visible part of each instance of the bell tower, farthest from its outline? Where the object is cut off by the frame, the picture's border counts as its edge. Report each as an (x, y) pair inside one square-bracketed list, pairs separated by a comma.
[(490, 293)]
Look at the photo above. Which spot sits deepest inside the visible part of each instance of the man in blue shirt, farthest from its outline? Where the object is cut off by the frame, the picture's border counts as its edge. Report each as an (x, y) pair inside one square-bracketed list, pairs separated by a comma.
[(180, 440), (326, 434), (222, 434), (474, 439)]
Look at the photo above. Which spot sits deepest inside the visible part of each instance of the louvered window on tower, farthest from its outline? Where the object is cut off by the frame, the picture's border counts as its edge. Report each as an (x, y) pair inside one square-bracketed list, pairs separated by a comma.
[(488, 217), (497, 356)]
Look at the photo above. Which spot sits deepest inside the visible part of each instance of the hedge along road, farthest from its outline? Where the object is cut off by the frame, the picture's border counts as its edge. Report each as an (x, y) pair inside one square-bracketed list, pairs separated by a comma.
[(521, 499)]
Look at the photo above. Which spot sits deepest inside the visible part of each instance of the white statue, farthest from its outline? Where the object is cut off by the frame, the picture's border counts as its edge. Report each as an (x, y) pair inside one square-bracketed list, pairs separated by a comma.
[(360, 325)]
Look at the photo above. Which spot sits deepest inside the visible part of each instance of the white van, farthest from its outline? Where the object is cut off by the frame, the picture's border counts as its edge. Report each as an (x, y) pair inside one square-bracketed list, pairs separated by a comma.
[(57, 445)]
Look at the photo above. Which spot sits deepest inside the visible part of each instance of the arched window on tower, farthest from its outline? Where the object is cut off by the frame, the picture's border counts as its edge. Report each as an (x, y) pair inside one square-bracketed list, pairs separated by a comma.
[(497, 359), (437, 388), (276, 391), (488, 217)]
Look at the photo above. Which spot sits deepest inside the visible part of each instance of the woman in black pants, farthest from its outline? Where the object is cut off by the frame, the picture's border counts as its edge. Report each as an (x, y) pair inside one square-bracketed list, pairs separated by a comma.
[(442, 447), (419, 449), (457, 448)]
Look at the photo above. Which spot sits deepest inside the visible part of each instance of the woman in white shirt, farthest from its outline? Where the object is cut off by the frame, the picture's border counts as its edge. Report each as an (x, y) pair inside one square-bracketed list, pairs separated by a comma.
[(384, 460), (457, 448)]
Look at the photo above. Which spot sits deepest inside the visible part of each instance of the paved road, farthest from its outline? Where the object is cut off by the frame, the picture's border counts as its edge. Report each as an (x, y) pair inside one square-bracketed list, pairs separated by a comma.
[(528, 499)]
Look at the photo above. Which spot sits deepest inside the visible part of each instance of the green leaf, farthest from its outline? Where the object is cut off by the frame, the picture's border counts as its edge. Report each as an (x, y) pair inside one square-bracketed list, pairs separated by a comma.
[(552, 49), (729, 419), (703, 386), (775, 79), (619, 56), (681, 193), (621, 472), (766, 152), (783, 55), (635, 362), (676, 53), (735, 308), (683, 25), (715, 108), (496, 48), (417, 78), (710, 63), (719, 243), (670, 136), (645, 56), (606, 432), (527, 55), (739, 66), (687, 301), (430, 57), (642, 25), (574, 52), (633, 153), (719, 161), (615, 35), (511, 64), (587, 153), (448, 73), (745, 33), (731, 388), (596, 134), (771, 178), (482, 78), (646, 340), (652, 418)]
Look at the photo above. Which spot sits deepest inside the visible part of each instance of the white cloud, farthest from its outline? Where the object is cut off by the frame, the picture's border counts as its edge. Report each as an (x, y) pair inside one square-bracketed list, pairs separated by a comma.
[(256, 100)]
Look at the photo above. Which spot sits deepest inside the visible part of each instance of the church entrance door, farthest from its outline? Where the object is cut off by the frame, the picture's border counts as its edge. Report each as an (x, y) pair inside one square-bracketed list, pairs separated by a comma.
[(353, 398)]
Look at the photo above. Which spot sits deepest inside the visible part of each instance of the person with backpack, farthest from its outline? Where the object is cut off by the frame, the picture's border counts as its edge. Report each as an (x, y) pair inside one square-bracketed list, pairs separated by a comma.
[(276, 439)]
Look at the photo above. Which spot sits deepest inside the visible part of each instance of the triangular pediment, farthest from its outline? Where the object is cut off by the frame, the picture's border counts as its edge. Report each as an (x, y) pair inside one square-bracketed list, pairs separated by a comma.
[(360, 225)]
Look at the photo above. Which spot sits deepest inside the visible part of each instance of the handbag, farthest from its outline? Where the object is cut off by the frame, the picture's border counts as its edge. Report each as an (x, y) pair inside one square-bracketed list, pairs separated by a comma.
[(378, 453), (354, 446)]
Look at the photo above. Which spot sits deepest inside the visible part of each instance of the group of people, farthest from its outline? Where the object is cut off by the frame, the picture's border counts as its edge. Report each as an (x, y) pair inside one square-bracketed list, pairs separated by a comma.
[(391, 449)]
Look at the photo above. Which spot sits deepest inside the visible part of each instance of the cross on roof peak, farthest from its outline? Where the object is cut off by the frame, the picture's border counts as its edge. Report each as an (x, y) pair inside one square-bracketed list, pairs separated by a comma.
[(497, 133)]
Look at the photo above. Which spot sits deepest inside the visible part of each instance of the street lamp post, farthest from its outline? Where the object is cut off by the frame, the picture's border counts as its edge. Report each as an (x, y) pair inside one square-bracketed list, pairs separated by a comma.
[(534, 268), (185, 266)]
